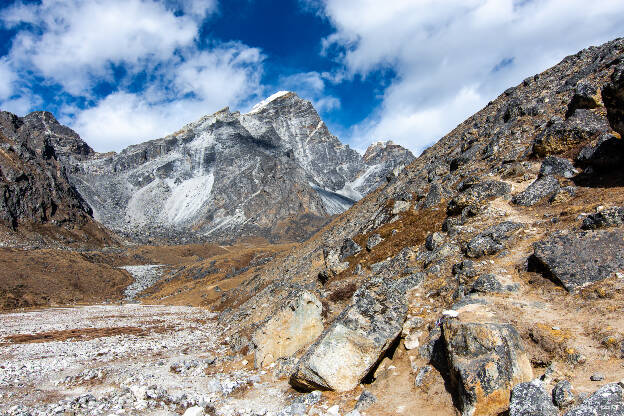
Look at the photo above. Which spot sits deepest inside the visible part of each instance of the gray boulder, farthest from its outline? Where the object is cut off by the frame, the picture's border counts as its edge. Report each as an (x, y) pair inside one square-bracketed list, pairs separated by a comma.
[(474, 194), (563, 394), (485, 360), (608, 217), (489, 283), (530, 399), (347, 351), (577, 259), (606, 401), (542, 189), (557, 166), (491, 241)]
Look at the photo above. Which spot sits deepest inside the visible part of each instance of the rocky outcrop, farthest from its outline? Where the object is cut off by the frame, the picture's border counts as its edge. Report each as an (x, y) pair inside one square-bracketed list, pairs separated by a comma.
[(606, 401), (297, 325), (274, 172), (531, 399), (577, 259), (486, 361), (34, 187), (349, 349)]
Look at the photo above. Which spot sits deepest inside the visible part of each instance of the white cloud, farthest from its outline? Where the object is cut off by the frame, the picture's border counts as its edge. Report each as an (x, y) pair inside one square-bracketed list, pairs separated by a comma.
[(78, 44), (8, 77), (202, 84), (75, 42), (444, 53)]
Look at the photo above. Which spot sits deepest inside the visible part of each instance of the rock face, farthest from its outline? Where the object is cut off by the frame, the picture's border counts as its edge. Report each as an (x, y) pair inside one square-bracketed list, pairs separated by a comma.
[(34, 186), (577, 259), (349, 349), (275, 172), (606, 401), (295, 326), (530, 399), (486, 361)]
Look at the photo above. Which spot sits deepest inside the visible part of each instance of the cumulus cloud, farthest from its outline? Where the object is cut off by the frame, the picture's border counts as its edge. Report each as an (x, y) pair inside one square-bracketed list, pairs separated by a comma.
[(451, 57), (76, 42), (200, 85), (8, 78), (146, 52)]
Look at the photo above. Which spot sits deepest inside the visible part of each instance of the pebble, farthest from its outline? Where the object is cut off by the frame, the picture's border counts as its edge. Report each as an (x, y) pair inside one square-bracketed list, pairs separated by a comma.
[(597, 377)]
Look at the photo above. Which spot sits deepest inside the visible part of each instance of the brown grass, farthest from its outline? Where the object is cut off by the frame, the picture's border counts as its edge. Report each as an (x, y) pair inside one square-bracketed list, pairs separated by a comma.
[(79, 334)]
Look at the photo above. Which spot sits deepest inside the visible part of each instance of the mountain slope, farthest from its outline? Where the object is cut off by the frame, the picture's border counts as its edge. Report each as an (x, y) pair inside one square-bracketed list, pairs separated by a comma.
[(37, 200), (275, 172), (486, 222)]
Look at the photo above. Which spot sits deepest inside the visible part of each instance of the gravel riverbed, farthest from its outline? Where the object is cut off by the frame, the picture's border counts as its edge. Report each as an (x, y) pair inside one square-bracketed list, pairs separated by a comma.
[(132, 359)]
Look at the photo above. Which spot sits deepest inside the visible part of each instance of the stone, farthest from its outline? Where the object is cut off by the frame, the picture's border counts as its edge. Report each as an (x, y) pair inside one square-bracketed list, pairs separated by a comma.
[(540, 190), (349, 248), (613, 97), (557, 166), (194, 411), (294, 326), (366, 400), (559, 135), (606, 401), (607, 217), (597, 377), (489, 283), (434, 240), (421, 374), (400, 206), (491, 241), (608, 153), (563, 394), (474, 194), (576, 259), (372, 241), (485, 360), (530, 399), (585, 96), (349, 349)]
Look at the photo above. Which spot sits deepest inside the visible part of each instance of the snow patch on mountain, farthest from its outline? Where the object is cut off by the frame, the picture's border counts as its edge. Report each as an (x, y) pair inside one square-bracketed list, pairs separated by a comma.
[(262, 104), (187, 198)]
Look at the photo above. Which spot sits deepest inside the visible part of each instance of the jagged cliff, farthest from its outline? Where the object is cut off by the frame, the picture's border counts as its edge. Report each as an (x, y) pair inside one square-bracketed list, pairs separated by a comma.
[(275, 172)]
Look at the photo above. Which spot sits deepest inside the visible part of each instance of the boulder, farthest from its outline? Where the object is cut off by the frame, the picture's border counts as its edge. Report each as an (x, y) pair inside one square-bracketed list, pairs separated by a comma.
[(476, 193), (491, 241), (490, 283), (544, 188), (296, 325), (530, 399), (563, 394), (434, 240), (349, 248), (372, 241), (606, 401), (557, 166), (585, 96), (608, 217), (575, 259), (358, 338), (485, 360), (559, 135)]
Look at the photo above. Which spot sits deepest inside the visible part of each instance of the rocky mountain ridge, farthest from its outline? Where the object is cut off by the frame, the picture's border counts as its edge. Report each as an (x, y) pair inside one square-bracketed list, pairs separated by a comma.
[(275, 172)]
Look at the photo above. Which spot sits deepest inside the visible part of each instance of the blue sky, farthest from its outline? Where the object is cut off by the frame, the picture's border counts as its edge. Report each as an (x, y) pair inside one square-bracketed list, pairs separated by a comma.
[(123, 71)]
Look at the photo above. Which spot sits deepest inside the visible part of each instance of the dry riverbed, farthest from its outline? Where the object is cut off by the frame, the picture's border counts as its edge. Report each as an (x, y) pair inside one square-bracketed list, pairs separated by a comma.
[(133, 359)]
